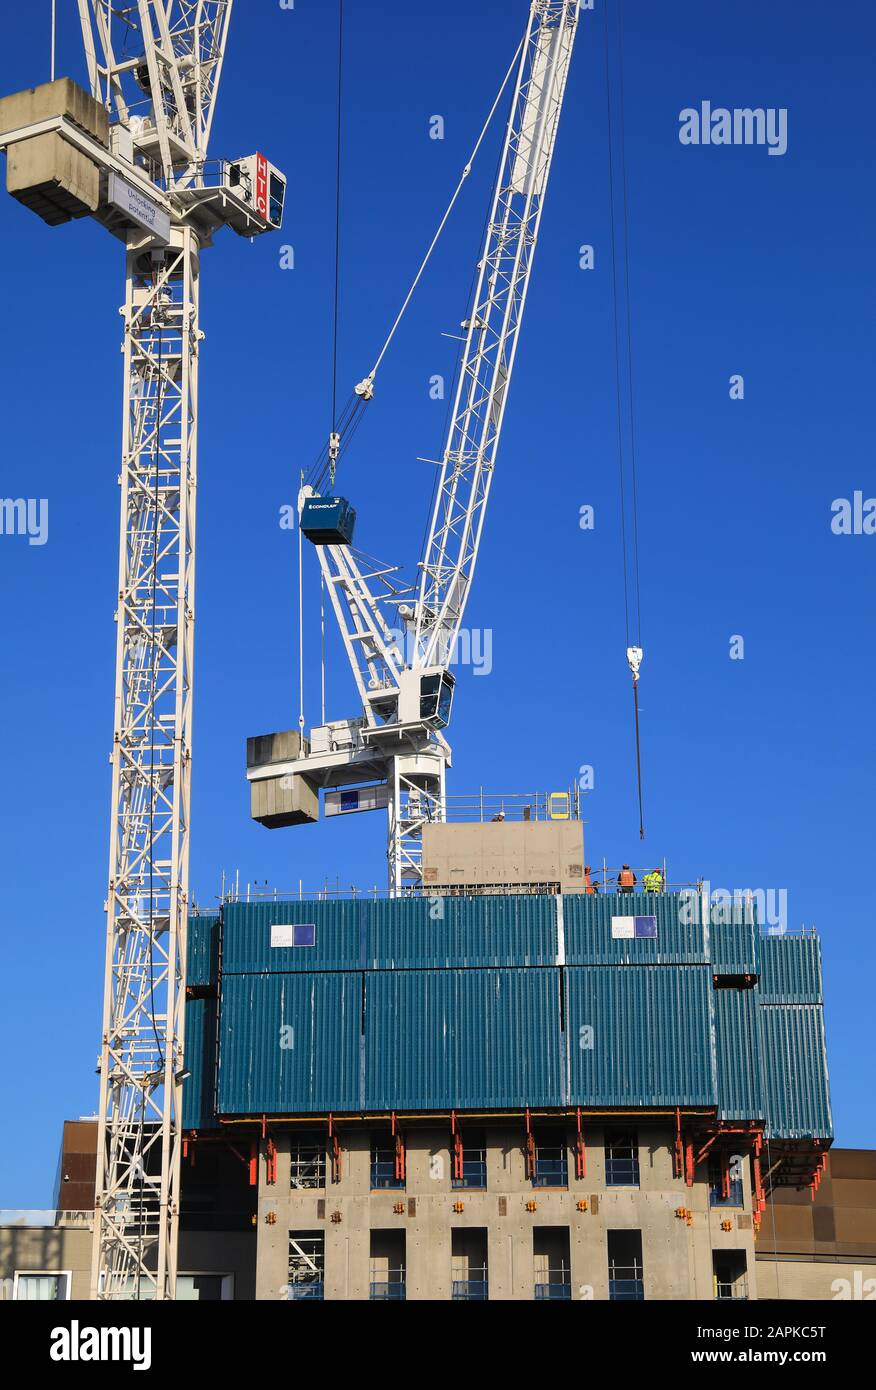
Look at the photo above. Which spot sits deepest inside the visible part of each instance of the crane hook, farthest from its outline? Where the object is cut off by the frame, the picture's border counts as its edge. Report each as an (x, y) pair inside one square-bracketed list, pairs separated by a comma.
[(635, 657)]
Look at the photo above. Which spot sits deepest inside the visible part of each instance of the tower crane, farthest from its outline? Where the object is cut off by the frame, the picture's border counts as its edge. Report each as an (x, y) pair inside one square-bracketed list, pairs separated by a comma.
[(132, 153), (400, 639)]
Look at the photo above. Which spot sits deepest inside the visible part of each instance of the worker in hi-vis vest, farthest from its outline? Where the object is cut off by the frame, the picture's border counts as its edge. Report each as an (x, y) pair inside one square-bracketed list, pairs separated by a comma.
[(626, 879), (589, 885), (653, 882)]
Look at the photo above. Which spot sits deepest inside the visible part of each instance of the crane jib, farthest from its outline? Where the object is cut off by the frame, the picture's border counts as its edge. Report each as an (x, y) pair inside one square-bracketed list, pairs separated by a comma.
[(400, 639)]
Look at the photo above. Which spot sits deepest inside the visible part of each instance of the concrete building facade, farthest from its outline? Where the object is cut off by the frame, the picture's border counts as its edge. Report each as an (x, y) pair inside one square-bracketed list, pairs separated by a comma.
[(628, 1226)]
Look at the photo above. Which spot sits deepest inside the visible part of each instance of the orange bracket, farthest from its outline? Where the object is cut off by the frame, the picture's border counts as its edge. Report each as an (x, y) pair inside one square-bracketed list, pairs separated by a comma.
[(580, 1151), (271, 1156), (253, 1163), (689, 1165), (458, 1150), (817, 1176), (399, 1158), (725, 1175), (337, 1161), (530, 1146), (679, 1146)]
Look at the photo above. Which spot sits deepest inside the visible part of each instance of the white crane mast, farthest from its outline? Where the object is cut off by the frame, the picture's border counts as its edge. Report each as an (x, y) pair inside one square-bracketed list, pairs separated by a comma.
[(132, 154), (406, 693), (178, 51)]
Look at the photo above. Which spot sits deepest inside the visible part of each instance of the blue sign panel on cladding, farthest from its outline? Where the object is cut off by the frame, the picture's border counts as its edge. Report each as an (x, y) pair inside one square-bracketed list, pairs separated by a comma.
[(646, 927)]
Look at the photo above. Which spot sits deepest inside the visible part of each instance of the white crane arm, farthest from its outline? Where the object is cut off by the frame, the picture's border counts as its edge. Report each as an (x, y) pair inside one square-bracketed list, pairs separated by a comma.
[(492, 330)]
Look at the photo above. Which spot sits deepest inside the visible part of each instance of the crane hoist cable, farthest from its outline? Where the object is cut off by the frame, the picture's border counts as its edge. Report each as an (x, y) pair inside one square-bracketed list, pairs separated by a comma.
[(630, 548), (334, 436), (344, 428)]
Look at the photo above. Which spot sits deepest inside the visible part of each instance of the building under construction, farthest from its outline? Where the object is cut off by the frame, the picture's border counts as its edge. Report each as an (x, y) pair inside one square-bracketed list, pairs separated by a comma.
[(502, 1094), (492, 1083)]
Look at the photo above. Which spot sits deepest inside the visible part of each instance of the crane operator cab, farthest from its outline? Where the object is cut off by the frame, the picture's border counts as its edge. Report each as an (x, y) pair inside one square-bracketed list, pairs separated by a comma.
[(426, 697)]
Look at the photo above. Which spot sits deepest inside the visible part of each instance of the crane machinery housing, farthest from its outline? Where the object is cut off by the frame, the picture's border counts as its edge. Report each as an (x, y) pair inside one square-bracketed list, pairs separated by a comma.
[(131, 152), (395, 755)]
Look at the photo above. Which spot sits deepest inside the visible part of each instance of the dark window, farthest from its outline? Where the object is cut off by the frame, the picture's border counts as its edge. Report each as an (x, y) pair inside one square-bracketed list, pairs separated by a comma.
[(304, 934), (383, 1166), (474, 1162), (621, 1158), (277, 197), (469, 1265), (551, 1160), (719, 1195), (307, 1162), (731, 1275), (626, 1277), (553, 1268), (306, 1266), (388, 1273)]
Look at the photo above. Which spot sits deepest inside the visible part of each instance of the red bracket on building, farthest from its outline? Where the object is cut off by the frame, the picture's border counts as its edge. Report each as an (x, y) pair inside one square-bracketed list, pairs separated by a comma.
[(335, 1143), (679, 1146), (271, 1157), (458, 1150), (704, 1151), (253, 1163), (725, 1175), (759, 1194), (399, 1158), (530, 1147), (689, 1164), (580, 1151), (817, 1176)]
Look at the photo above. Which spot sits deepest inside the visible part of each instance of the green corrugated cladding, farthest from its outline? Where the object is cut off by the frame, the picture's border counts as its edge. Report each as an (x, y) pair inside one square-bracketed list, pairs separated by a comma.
[(383, 934), (436, 1039), (202, 955), (427, 933), (794, 1071), (290, 1043), (587, 929), (246, 937), (474, 1009), (733, 934), (790, 970), (639, 1036), (737, 1046), (200, 1054)]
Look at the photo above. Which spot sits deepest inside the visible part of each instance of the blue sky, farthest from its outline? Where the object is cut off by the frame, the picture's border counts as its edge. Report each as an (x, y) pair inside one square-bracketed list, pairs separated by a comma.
[(759, 772)]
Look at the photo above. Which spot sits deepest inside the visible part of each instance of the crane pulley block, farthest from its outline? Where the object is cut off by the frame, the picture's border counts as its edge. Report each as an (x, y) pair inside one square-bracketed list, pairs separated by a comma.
[(328, 520)]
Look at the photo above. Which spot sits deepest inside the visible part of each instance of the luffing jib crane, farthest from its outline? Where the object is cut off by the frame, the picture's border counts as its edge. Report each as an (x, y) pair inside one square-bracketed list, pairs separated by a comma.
[(132, 153), (395, 754)]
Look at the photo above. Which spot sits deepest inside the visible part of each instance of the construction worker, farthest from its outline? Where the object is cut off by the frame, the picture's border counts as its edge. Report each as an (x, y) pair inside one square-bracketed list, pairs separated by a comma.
[(589, 885), (626, 880), (653, 882)]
